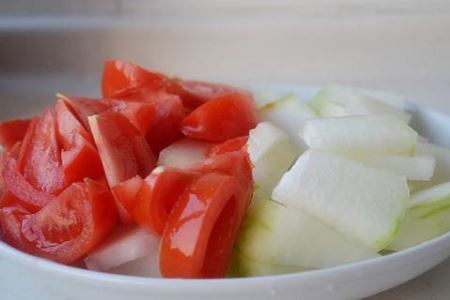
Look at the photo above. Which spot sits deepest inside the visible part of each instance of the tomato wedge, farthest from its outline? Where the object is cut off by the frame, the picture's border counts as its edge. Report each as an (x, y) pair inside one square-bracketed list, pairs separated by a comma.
[(142, 115), (195, 93), (40, 157), (158, 194), (10, 221), (231, 145), (120, 76), (72, 224), (12, 131), (79, 157), (83, 107), (18, 190), (199, 237), (126, 195), (123, 151), (222, 118)]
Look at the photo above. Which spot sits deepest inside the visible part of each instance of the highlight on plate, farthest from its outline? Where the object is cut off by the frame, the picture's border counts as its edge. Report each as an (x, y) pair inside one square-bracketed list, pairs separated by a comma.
[(165, 177)]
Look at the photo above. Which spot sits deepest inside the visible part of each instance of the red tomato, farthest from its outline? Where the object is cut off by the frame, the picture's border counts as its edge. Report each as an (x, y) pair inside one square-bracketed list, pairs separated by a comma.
[(142, 115), (195, 93), (125, 194), (19, 190), (12, 132), (40, 157), (159, 192), (10, 221), (83, 107), (231, 145), (120, 76), (222, 118), (72, 224), (79, 157), (202, 227)]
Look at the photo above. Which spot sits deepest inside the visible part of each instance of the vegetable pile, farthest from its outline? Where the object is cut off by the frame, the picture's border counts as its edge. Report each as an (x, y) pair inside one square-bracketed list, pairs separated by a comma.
[(187, 179)]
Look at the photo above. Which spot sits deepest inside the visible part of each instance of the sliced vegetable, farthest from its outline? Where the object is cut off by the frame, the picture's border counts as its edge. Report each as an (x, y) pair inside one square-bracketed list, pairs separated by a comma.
[(222, 118), (276, 235), (120, 76), (427, 217), (361, 135), (125, 194), (12, 131), (289, 114), (40, 157), (142, 115), (157, 196), (123, 246), (235, 144), (363, 203), (71, 225), (201, 230), (10, 221), (183, 153), (271, 154)]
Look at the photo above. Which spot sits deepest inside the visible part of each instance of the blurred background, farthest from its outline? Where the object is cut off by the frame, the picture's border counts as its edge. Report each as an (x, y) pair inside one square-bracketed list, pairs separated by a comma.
[(59, 45)]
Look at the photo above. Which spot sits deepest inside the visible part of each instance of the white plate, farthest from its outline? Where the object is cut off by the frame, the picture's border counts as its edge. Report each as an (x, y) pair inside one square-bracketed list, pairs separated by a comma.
[(26, 277)]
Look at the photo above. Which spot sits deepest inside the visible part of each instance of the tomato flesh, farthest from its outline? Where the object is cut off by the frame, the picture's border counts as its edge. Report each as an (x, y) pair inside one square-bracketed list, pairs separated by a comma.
[(12, 132), (125, 194), (221, 119), (10, 222), (201, 229), (231, 145), (79, 157), (158, 194), (120, 76), (72, 224)]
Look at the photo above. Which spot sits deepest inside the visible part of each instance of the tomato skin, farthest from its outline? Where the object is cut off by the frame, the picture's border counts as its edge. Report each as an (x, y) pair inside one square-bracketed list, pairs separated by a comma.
[(123, 150), (221, 119), (40, 160), (125, 194), (19, 190), (157, 196), (119, 76), (195, 93), (72, 224), (231, 145), (79, 157), (13, 131), (201, 229)]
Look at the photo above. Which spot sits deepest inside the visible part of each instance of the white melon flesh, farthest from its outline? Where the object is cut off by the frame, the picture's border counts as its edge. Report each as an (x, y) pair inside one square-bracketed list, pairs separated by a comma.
[(271, 154), (245, 267), (361, 135), (361, 202), (183, 153), (428, 217), (280, 236), (336, 100), (290, 114), (442, 169), (413, 167)]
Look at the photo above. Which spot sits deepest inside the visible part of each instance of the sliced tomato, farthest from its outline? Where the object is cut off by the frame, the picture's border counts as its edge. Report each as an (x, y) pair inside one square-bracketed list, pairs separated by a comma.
[(19, 191), (141, 114), (40, 160), (72, 224), (169, 112), (79, 156), (223, 118), (231, 145), (120, 76), (202, 227), (125, 194), (10, 222), (123, 150), (158, 194), (12, 131), (195, 93), (83, 107)]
